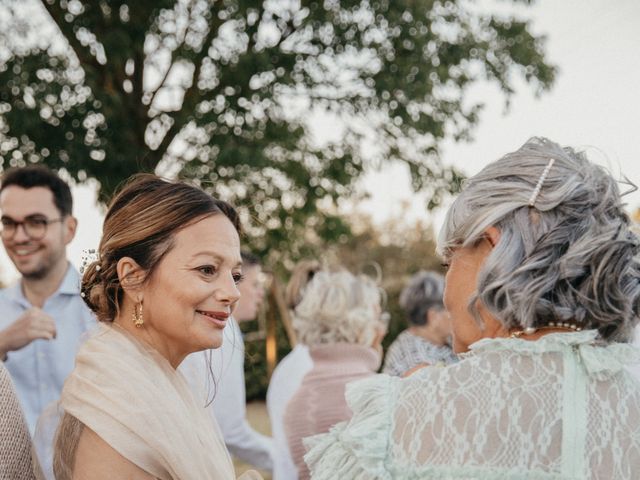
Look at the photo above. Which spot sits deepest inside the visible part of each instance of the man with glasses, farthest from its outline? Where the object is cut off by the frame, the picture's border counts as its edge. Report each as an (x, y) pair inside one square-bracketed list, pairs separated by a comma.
[(42, 316)]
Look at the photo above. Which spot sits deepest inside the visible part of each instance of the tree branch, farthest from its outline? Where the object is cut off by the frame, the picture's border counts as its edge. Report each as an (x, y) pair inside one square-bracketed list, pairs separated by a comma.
[(253, 31), (182, 116), (192, 94), (140, 109), (171, 62), (162, 81), (84, 55)]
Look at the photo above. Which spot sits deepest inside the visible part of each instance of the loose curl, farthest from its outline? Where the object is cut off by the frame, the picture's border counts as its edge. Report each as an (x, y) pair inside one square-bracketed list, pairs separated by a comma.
[(572, 257), (141, 222), (338, 307)]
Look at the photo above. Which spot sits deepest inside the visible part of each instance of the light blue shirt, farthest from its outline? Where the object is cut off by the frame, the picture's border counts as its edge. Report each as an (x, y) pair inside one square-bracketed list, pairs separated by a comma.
[(39, 369)]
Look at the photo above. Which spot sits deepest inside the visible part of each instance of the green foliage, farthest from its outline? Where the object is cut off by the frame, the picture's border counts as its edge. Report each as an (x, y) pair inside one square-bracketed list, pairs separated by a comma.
[(255, 363), (224, 92)]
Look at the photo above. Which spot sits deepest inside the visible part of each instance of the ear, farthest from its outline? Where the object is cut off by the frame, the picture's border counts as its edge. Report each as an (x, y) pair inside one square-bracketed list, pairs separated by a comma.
[(493, 235), (131, 276), (70, 226)]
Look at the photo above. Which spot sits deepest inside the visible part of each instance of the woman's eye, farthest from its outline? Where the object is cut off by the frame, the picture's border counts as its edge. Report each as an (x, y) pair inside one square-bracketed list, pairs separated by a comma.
[(207, 269), (238, 277)]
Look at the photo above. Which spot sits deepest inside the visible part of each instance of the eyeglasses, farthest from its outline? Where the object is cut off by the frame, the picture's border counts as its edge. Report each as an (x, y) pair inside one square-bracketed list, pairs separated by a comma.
[(34, 227)]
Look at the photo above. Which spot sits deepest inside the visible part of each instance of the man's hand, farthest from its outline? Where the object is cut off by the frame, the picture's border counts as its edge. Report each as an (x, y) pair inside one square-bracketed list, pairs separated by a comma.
[(31, 325)]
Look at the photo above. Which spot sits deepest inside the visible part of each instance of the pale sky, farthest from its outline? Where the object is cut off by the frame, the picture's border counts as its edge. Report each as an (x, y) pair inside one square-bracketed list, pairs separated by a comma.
[(595, 104)]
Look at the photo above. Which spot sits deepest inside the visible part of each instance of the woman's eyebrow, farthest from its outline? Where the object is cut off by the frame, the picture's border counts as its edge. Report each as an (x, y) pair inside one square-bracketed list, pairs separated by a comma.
[(215, 255)]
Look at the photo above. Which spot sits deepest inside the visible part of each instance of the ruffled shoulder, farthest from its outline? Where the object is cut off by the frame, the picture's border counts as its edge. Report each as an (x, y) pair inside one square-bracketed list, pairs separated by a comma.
[(357, 449), (599, 359), (603, 362)]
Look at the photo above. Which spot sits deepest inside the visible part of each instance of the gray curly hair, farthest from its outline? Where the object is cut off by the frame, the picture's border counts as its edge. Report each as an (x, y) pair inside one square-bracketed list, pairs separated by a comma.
[(338, 307), (572, 257), (422, 293)]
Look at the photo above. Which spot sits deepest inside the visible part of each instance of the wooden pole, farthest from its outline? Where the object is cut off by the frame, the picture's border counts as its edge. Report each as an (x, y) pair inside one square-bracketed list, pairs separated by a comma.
[(285, 317), (277, 309)]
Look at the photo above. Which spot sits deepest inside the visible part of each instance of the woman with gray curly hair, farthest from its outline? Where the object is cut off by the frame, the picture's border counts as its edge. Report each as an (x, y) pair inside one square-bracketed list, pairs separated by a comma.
[(543, 289), (426, 341), (338, 317)]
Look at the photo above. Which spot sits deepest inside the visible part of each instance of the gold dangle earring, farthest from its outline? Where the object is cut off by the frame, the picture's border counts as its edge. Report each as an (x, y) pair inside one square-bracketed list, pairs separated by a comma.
[(138, 321)]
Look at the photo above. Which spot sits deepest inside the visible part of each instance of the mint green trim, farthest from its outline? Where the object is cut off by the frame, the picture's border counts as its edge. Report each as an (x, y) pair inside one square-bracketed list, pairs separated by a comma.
[(574, 416)]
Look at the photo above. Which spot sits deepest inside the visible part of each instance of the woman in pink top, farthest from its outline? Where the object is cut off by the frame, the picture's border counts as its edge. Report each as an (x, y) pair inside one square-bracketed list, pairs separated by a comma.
[(339, 319)]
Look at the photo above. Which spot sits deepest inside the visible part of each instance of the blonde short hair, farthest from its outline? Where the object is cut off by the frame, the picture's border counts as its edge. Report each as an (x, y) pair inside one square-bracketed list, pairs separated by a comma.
[(338, 307)]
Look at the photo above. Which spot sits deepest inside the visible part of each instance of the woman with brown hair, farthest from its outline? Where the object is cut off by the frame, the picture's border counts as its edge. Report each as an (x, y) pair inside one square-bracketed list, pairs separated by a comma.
[(163, 286)]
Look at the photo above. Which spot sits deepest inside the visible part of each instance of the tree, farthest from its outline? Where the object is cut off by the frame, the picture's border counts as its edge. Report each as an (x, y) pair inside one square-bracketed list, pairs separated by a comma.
[(222, 92)]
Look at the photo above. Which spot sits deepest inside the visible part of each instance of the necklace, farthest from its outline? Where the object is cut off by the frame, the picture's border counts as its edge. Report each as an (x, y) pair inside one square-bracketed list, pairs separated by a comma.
[(569, 327)]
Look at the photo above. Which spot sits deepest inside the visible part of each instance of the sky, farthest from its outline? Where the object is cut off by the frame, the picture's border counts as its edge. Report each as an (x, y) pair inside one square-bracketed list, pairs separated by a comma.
[(594, 105)]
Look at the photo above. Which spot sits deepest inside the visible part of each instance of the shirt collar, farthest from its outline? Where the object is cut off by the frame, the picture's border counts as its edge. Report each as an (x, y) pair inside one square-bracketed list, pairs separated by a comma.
[(70, 286), (70, 283), (14, 292)]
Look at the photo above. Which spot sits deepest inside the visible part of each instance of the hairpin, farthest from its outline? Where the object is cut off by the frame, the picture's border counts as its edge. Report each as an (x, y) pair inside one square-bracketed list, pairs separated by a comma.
[(88, 257), (543, 176)]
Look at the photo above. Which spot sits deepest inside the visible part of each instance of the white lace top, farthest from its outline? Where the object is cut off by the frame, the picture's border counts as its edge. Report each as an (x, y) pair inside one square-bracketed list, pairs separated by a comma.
[(562, 407)]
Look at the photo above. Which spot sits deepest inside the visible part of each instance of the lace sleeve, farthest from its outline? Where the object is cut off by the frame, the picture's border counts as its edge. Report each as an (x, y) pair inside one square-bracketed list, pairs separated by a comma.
[(356, 449)]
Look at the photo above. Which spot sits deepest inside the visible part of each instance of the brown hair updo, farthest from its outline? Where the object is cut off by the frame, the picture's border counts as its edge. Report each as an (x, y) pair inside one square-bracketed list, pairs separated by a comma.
[(140, 223)]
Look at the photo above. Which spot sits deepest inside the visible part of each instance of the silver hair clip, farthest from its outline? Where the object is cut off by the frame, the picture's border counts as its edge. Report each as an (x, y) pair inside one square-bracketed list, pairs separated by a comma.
[(543, 176)]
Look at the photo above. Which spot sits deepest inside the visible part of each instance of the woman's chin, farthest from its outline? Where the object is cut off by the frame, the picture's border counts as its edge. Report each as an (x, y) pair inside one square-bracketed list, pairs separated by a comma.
[(209, 341)]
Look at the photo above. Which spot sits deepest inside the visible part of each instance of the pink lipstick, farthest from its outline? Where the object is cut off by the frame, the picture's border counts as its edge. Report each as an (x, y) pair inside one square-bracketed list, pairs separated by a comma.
[(219, 319)]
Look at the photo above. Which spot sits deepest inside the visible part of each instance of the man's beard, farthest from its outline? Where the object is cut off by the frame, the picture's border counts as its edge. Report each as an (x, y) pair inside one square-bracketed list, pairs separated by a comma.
[(42, 269), (40, 272)]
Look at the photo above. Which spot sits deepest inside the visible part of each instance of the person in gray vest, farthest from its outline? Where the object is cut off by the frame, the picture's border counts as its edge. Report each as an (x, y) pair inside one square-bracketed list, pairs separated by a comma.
[(426, 340)]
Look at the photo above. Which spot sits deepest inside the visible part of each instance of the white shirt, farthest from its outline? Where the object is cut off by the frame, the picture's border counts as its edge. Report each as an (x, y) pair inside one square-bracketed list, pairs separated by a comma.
[(229, 398), (285, 381)]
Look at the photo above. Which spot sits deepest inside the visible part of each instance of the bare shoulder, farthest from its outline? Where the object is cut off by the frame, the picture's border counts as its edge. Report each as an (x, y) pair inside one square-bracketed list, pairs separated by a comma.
[(97, 460)]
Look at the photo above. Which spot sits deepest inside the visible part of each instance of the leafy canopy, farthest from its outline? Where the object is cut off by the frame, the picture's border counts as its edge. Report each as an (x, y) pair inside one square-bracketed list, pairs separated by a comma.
[(225, 92)]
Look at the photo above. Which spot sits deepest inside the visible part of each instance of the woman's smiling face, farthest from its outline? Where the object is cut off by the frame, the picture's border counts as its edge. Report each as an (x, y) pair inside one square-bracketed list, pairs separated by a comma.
[(189, 296)]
